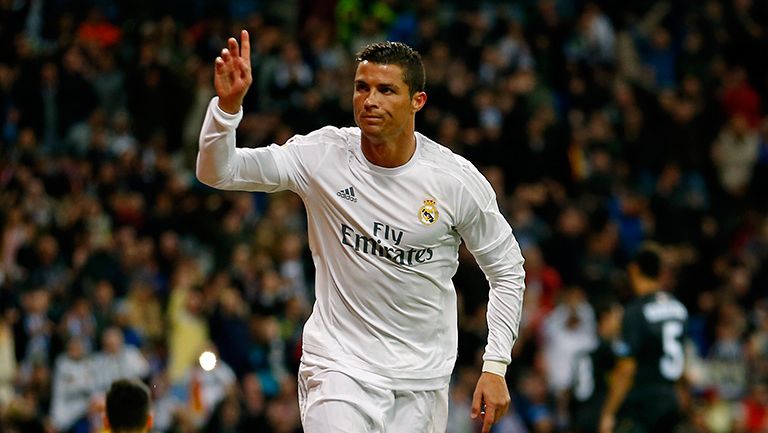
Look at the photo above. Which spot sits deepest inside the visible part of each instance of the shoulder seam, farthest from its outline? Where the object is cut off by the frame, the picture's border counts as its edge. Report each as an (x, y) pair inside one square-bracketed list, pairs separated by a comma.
[(323, 132)]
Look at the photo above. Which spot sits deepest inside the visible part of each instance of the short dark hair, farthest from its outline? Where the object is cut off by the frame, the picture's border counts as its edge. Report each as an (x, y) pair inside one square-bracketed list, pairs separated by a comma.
[(648, 260), (400, 54), (127, 406)]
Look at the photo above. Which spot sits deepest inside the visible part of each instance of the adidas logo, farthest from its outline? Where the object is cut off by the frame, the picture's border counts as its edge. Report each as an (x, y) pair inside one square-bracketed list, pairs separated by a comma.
[(348, 194)]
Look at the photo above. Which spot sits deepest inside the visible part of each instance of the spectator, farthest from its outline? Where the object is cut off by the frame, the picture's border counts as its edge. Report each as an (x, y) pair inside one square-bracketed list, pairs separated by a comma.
[(254, 404), (7, 357), (229, 329), (568, 330), (204, 390), (734, 154), (726, 363), (143, 312), (34, 330), (116, 360), (73, 383), (754, 410), (293, 76), (79, 323), (188, 331)]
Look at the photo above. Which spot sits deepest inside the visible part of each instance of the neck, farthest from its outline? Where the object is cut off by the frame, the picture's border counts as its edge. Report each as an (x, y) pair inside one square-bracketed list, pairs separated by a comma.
[(644, 286), (389, 153)]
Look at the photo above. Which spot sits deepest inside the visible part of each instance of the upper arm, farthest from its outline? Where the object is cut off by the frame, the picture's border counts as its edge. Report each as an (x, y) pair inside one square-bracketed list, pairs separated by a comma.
[(221, 164), (488, 236), (632, 327), (280, 167), (479, 220), (626, 366)]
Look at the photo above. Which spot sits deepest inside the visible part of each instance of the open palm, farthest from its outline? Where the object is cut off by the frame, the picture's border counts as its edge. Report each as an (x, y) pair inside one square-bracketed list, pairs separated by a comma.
[(233, 73)]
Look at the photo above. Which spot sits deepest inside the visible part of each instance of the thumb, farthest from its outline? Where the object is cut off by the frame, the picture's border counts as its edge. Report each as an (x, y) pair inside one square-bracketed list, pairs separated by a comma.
[(477, 401)]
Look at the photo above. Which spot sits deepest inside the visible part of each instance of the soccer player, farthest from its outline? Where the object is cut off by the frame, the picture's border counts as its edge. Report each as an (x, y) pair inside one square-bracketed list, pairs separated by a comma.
[(592, 367), (128, 407), (651, 356), (387, 209)]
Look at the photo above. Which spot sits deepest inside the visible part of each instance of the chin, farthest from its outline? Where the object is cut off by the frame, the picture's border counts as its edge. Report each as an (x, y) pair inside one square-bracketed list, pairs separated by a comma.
[(372, 131), (371, 137)]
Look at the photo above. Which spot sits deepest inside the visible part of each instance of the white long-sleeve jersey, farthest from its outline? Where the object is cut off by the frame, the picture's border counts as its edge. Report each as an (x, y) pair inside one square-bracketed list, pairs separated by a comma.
[(385, 246)]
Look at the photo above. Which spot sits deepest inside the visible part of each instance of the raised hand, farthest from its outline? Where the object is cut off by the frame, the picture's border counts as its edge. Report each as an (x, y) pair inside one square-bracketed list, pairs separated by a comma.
[(232, 77)]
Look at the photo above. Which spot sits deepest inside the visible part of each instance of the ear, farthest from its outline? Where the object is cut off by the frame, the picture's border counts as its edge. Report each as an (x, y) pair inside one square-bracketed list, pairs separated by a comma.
[(105, 422), (418, 100)]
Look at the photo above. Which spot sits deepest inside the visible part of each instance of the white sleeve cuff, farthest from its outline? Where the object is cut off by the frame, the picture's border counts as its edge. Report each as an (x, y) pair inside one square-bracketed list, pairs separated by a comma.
[(495, 367), (224, 117)]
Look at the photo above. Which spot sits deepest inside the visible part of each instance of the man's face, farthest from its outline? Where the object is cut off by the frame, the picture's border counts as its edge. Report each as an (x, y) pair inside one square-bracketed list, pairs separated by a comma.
[(112, 341), (383, 106)]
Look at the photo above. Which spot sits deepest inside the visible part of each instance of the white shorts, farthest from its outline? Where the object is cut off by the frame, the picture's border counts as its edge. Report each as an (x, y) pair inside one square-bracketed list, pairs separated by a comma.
[(332, 402)]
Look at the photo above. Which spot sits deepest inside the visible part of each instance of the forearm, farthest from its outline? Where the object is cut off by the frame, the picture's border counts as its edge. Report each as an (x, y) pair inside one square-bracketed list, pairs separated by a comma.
[(221, 165), (503, 266), (623, 378), (217, 147)]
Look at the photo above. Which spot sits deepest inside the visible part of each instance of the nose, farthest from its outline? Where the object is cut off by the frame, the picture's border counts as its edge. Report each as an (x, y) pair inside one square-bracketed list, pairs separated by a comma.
[(371, 101)]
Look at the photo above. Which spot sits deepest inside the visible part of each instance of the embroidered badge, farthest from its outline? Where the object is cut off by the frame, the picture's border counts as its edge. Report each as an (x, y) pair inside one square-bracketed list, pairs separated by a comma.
[(428, 213)]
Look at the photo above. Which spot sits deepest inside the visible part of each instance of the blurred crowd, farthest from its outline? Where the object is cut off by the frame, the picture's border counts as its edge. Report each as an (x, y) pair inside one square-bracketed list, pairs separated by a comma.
[(601, 124)]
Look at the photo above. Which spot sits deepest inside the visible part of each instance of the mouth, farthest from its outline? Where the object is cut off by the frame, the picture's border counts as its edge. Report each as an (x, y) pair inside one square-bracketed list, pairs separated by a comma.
[(371, 120)]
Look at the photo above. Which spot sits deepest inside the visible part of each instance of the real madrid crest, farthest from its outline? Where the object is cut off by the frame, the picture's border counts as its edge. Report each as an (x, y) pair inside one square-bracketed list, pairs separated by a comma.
[(428, 213)]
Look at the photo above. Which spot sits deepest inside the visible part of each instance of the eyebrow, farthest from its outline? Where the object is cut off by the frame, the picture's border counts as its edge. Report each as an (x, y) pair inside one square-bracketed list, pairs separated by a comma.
[(392, 85)]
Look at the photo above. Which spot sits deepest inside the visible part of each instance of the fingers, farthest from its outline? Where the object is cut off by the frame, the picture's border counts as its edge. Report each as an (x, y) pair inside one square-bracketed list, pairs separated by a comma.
[(476, 403), (226, 56), (245, 52), (245, 43), (224, 62), (490, 413), (235, 59), (233, 47), (219, 65), (500, 411), (489, 418)]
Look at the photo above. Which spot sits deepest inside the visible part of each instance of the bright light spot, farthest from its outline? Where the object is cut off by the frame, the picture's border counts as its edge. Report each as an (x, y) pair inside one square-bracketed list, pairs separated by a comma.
[(208, 361)]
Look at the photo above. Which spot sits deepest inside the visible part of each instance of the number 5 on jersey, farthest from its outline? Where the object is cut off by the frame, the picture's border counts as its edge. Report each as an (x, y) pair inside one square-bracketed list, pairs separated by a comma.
[(672, 362)]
